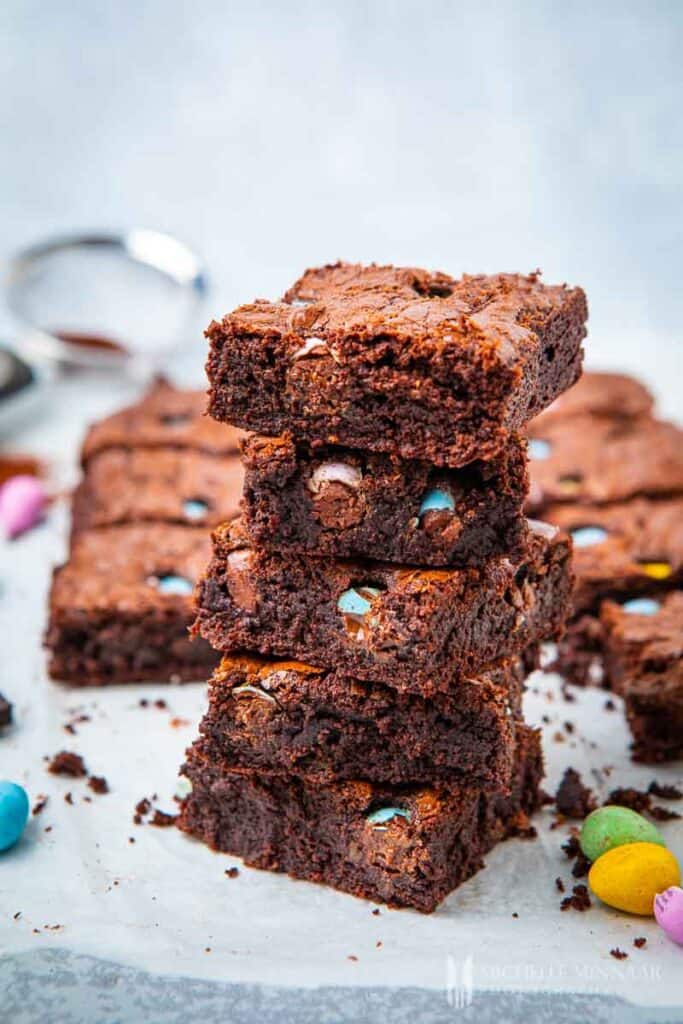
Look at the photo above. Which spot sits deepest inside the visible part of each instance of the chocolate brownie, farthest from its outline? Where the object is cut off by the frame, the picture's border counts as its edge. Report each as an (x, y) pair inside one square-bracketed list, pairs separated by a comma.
[(601, 394), (288, 718), (405, 846), (594, 460), (417, 630), (124, 485), (644, 663), (121, 607), (348, 503), (164, 417), (630, 548), (398, 360)]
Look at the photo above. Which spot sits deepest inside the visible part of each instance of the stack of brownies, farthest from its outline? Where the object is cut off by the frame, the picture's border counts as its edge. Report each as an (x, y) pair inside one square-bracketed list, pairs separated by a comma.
[(604, 469), (156, 476), (382, 599)]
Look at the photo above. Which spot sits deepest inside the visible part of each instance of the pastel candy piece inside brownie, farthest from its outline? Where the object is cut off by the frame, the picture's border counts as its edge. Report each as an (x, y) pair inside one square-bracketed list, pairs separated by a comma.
[(415, 629), (398, 360)]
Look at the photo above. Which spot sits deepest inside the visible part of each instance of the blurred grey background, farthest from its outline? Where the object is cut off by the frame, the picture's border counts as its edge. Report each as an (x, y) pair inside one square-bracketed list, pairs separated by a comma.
[(462, 136)]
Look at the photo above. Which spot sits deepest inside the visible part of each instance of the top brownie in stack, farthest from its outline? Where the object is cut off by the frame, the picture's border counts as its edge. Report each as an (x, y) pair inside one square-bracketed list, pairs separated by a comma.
[(398, 360)]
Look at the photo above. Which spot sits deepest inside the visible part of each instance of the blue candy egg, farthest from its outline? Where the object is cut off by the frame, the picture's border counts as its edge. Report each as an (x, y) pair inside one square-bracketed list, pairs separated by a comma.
[(381, 817), (174, 585), (13, 813), (538, 449), (437, 500), (586, 536), (642, 606), (194, 508), (357, 601)]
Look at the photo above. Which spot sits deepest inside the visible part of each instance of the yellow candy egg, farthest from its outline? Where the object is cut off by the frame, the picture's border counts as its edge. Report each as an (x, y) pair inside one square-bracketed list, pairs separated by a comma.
[(629, 877)]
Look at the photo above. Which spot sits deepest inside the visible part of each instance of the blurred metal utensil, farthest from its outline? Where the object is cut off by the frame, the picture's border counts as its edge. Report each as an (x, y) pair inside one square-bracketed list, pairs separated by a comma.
[(118, 300)]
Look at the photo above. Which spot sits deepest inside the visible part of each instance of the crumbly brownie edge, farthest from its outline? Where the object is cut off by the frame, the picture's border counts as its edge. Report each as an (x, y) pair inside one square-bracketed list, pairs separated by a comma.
[(320, 833)]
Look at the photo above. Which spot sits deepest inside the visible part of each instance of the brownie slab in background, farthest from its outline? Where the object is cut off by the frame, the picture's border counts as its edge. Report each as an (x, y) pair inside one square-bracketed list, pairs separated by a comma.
[(398, 360), (594, 460), (345, 503), (120, 609), (164, 485), (644, 664), (417, 630), (165, 417), (291, 719), (613, 395), (404, 846)]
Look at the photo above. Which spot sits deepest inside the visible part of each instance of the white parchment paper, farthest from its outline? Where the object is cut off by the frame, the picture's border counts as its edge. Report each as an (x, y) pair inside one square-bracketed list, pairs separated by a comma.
[(164, 903)]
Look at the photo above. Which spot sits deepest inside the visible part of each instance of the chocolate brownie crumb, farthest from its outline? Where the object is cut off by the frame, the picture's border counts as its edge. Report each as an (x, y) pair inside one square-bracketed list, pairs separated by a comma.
[(579, 900), (161, 704), (67, 763), (610, 705), (573, 799), (663, 814), (40, 804), (162, 820), (376, 912), (664, 792), (618, 954), (142, 808), (98, 784), (68, 798), (232, 872), (634, 799), (68, 727), (559, 884), (17, 915), (5, 712), (640, 942), (572, 849), (520, 827), (131, 839)]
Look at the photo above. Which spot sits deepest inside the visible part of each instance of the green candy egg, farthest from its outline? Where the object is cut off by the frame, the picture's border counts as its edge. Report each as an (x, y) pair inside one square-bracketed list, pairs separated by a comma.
[(612, 826)]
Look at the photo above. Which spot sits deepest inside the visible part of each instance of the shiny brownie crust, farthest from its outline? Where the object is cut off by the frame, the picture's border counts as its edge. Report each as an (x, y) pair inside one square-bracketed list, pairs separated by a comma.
[(398, 360)]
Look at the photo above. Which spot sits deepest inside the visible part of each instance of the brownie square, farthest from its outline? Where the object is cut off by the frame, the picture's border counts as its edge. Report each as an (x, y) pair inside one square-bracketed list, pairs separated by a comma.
[(121, 607), (404, 846), (164, 417), (346, 503), (644, 663), (164, 485), (595, 460), (629, 548), (417, 630), (291, 719), (398, 360)]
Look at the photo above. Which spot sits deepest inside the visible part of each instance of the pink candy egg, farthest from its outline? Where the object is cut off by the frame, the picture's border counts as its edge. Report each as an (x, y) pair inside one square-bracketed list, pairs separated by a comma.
[(669, 912), (22, 504)]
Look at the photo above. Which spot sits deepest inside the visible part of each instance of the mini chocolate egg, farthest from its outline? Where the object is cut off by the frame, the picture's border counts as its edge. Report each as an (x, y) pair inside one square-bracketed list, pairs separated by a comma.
[(612, 826), (641, 606), (174, 585), (629, 877), (13, 813), (587, 536), (437, 500), (195, 508), (357, 600), (381, 817), (22, 504), (538, 449), (656, 570), (669, 912)]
